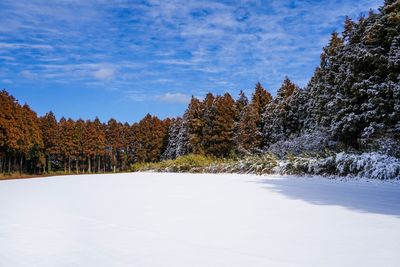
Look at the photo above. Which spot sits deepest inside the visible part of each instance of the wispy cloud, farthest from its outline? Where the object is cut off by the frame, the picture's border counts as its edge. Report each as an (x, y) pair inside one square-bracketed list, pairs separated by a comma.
[(25, 46), (174, 98), (104, 73), (6, 81), (27, 74), (135, 96), (167, 97)]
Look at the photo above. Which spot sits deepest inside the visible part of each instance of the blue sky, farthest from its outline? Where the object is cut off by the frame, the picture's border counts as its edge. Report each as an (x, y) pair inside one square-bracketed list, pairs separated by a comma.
[(124, 59)]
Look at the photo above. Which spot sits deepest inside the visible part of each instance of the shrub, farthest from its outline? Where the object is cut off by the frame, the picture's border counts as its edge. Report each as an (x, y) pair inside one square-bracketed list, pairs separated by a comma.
[(315, 143), (185, 163), (369, 165)]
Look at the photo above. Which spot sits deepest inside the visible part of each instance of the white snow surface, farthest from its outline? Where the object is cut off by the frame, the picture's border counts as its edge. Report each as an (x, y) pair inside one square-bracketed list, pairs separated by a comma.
[(152, 219)]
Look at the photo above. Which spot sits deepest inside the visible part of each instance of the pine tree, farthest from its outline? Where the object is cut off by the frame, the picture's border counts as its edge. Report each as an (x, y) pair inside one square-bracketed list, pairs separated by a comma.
[(281, 115), (260, 100), (173, 139), (183, 144), (150, 137), (195, 124), (241, 103), (67, 142), (249, 136), (113, 142), (50, 134), (220, 122)]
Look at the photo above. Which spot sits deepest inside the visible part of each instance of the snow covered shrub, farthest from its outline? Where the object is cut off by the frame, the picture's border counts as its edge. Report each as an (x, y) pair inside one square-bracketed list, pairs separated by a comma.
[(386, 145), (315, 142), (294, 165), (257, 164), (368, 165), (262, 164), (301, 165), (188, 163)]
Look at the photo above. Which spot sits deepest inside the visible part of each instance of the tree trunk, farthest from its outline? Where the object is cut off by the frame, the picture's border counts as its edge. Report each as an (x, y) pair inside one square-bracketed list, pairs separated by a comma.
[(9, 164), (77, 166), (69, 164), (15, 164), (49, 164), (98, 164), (3, 164), (20, 164), (45, 165), (114, 162), (89, 166)]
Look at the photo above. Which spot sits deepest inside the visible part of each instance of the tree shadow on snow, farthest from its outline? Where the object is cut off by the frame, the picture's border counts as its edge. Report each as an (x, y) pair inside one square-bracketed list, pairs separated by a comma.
[(366, 197)]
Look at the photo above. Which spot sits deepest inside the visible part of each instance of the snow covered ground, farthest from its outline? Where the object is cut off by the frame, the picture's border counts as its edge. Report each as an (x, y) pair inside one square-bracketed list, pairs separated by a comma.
[(150, 219)]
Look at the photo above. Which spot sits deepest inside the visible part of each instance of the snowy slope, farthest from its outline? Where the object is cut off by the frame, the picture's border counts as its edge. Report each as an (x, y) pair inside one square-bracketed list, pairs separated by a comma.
[(150, 219)]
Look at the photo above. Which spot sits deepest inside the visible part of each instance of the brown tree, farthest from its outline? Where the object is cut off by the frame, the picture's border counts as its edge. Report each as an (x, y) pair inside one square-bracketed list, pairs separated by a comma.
[(195, 123), (149, 139), (220, 124), (50, 133)]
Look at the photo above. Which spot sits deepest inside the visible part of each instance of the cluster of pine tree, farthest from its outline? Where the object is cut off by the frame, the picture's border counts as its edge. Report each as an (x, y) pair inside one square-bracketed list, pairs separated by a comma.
[(351, 102)]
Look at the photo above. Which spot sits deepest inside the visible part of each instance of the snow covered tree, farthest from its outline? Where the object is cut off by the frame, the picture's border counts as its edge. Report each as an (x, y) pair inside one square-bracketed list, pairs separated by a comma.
[(173, 139), (260, 99), (240, 105), (281, 115)]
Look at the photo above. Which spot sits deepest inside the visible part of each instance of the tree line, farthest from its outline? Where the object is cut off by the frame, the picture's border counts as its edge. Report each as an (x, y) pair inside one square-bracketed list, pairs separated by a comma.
[(352, 102), (33, 144)]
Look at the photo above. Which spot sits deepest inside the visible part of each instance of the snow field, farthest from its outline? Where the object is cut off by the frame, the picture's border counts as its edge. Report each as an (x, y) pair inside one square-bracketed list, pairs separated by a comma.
[(152, 219)]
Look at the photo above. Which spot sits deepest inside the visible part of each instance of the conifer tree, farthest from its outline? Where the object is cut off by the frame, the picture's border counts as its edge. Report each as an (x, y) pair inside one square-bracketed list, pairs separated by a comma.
[(50, 134), (260, 100), (113, 142), (280, 118), (248, 136), (240, 105), (150, 137), (173, 139), (195, 124), (220, 124), (100, 143)]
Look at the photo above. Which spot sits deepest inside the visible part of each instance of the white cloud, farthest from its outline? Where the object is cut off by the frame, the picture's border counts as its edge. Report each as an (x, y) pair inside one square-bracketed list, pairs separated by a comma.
[(6, 81), (27, 74), (24, 45), (135, 96), (174, 98), (104, 73)]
